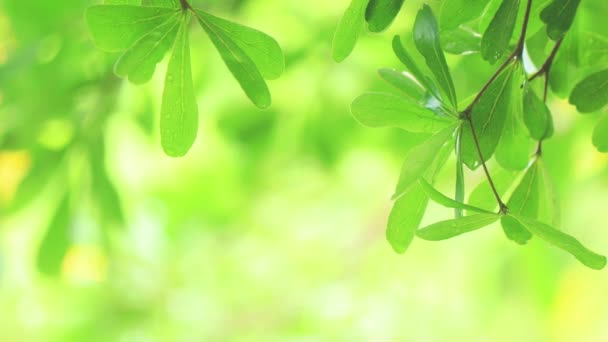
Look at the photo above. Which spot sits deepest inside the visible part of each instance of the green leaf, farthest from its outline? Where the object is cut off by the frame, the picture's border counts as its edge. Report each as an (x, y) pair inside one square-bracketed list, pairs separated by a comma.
[(445, 201), (242, 67), (56, 241), (413, 68), (496, 38), (179, 113), (558, 16), (381, 13), (453, 13), (524, 201), (404, 82), (420, 158), (104, 191), (513, 149), (263, 50), (460, 41), (118, 27), (537, 116), (548, 209), (460, 191), (488, 118), (600, 135), (139, 61), (450, 228), (591, 94), (123, 2), (161, 3), (348, 30), (381, 110), (565, 242), (405, 218), (426, 38), (483, 197)]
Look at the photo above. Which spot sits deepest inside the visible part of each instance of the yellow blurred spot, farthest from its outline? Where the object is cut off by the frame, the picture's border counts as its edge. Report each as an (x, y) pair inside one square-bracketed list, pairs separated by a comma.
[(13, 168), (56, 134), (85, 264)]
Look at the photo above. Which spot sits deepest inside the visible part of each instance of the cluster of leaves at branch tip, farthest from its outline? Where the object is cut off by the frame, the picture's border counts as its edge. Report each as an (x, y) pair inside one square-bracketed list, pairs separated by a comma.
[(505, 119), (144, 32)]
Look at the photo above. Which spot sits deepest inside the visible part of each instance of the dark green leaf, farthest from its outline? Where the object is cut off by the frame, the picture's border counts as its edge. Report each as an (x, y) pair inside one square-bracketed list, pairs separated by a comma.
[(420, 158), (445, 201), (381, 110), (600, 135), (56, 240), (448, 229), (537, 116), (558, 16), (404, 82), (453, 13), (118, 27), (139, 61), (565, 242), (381, 13), (242, 67), (426, 37), (591, 94), (179, 113), (488, 118), (348, 30), (405, 218), (514, 230), (496, 38)]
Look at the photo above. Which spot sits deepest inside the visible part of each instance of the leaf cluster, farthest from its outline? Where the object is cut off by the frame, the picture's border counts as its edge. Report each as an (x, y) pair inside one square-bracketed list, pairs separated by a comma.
[(143, 32), (506, 120)]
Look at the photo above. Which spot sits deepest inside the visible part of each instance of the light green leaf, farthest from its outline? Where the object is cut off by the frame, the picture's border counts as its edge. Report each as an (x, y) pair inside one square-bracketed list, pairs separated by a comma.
[(537, 116), (565, 242), (179, 112), (56, 241), (600, 135), (548, 209), (445, 201), (460, 191), (404, 82), (524, 201), (453, 13), (123, 2), (426, 38), (513, 149), (381, 110), (118, 27), (413, 68), (483, 197), (558, 16), (348, 30), (263, 50), (239, 63), (450, 228), (405, 218), (488, 118), (496, 38), (460, 41), (420, 158), (381, 13), (139, 61), (591, 94)]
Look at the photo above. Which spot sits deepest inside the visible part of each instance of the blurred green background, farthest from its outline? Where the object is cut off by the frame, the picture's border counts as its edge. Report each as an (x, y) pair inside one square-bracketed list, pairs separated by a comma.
[(272, 227)]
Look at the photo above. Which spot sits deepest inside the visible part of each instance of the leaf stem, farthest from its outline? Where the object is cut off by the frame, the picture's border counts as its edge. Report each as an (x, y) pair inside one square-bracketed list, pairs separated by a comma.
[(466, 114), (185, 5), (503, 207)]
